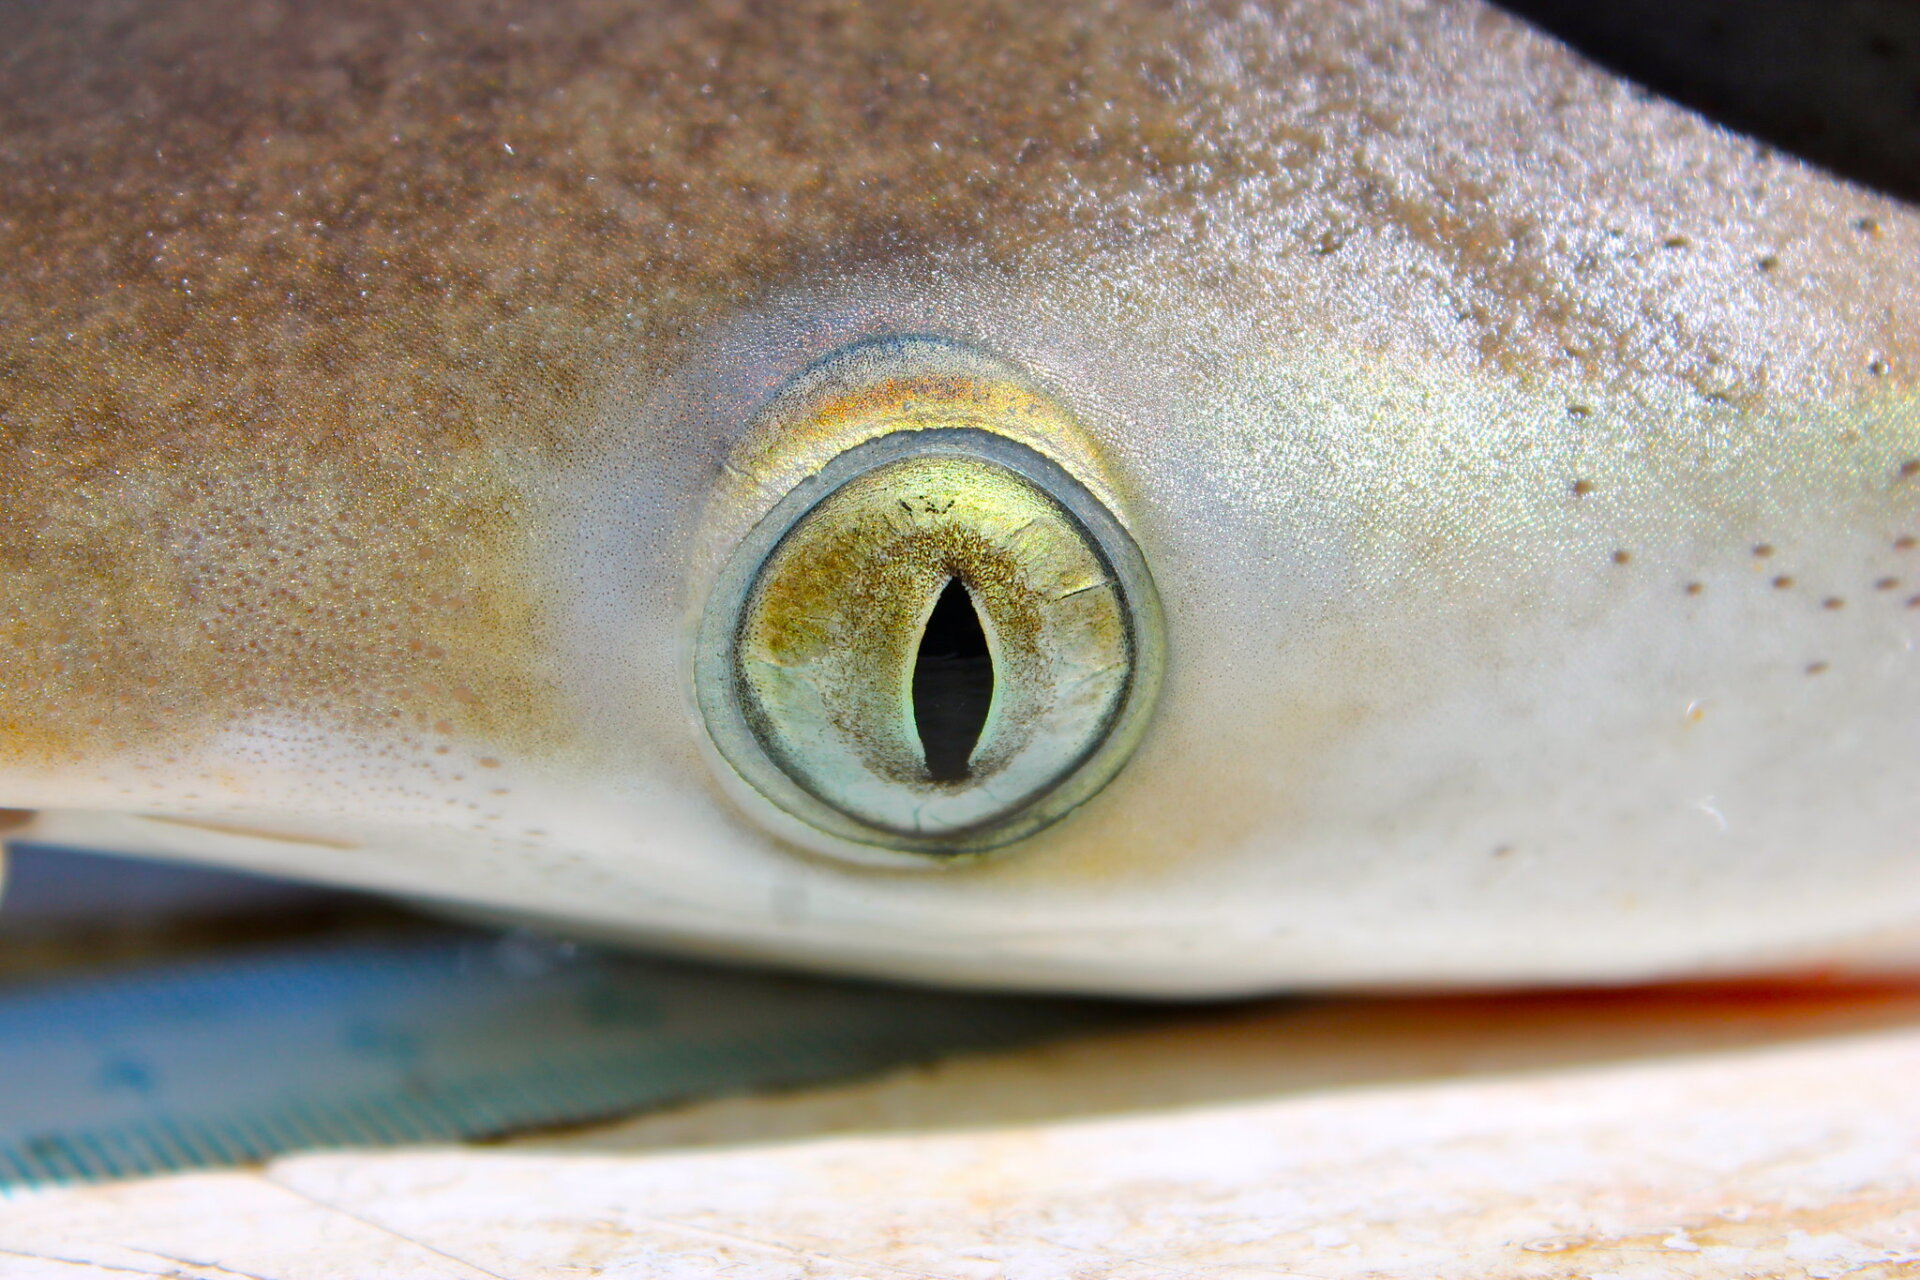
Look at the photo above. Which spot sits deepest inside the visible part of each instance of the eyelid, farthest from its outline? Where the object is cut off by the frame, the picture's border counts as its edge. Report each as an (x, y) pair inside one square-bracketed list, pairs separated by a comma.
[(881, 385)]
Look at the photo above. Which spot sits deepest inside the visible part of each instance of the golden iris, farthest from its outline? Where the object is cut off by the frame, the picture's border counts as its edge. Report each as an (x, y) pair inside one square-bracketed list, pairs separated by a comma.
[(815, 640)]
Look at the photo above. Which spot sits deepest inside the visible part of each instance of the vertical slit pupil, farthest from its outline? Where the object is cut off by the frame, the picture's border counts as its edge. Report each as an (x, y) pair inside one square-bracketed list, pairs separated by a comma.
[(952, 684)]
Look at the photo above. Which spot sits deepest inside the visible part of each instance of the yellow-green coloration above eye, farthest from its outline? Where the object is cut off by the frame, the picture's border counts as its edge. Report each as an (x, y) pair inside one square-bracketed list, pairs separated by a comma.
[(813, 635)]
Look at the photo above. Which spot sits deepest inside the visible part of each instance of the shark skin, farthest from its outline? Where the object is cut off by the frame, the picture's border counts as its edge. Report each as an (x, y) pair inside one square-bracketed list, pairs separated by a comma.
[(1529, 471)]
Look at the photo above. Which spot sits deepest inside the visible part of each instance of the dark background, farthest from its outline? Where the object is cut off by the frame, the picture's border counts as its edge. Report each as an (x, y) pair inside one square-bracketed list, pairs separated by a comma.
[(1836, 82)]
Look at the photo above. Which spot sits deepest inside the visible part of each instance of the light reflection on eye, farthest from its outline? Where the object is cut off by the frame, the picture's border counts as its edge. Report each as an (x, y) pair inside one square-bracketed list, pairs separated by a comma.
[(939, 644)]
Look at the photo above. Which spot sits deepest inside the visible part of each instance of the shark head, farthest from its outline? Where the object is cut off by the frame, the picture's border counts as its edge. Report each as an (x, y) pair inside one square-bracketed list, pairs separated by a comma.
[(1424, 511)]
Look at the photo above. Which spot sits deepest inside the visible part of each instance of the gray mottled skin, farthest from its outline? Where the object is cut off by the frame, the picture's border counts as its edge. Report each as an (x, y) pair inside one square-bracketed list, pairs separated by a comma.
[(1528, 469)]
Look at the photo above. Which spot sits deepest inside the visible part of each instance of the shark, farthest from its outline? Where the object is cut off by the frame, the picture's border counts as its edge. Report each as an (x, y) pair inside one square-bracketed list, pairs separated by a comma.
[(1174, 500)]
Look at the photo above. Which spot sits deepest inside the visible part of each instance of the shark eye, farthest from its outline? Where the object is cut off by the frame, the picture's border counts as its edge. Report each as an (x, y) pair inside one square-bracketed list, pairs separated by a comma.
[(935, 645)]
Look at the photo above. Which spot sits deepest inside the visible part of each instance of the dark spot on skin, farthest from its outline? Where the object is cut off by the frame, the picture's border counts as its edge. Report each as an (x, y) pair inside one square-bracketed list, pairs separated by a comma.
[(1878, 368), (1783, 582), (1910, 468), (1913, 602), (1581, 488), (1674, 242), (1905, 542), (1622, 557), (1694, 588), (1768, 263), (1866, 226), (1763, 550), (13, 819), (1815, 668), (1502, 850), (1579, 411), (1885, 584), (1833, 602)]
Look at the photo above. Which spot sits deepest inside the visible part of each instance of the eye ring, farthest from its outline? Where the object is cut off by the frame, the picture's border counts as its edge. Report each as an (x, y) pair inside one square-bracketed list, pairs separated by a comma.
[(727, 701)]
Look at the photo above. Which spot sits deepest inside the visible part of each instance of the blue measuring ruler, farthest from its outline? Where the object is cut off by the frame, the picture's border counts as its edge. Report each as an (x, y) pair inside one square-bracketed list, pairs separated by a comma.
[(447, 1034)]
